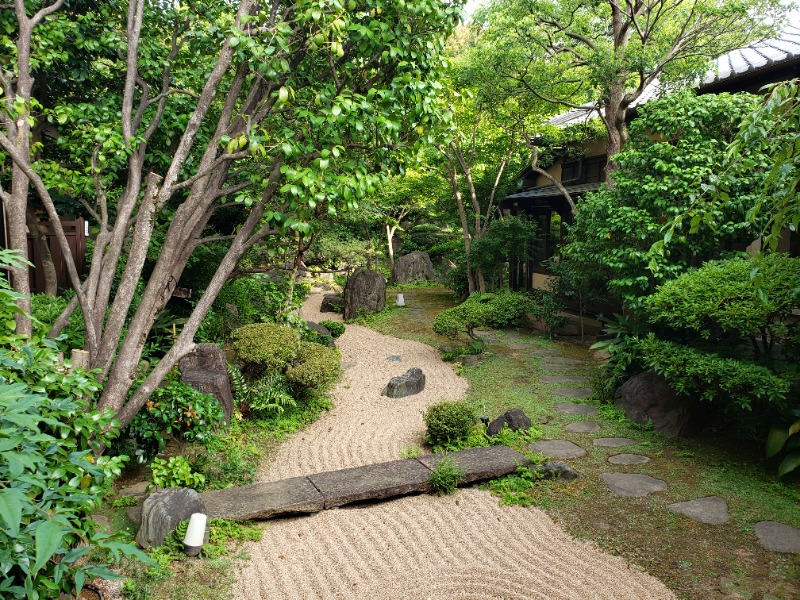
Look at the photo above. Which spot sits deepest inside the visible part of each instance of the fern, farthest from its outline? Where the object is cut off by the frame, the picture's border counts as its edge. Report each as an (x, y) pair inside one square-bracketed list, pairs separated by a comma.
[(267, 395)]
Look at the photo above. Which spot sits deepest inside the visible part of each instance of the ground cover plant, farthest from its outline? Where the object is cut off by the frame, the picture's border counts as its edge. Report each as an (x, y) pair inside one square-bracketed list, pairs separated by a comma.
[(694, 560)]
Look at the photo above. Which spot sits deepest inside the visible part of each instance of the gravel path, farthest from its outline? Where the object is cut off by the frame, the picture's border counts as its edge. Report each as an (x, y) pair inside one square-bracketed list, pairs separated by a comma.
[(461, 546)]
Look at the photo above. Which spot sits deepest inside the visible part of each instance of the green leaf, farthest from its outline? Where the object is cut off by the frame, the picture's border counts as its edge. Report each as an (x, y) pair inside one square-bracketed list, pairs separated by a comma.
[(775, 440), (789, 464), (11, 501), (48, 538)]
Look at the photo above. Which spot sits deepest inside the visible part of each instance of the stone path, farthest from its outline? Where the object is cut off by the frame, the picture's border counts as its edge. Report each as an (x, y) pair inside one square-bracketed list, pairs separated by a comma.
[(710, 510)]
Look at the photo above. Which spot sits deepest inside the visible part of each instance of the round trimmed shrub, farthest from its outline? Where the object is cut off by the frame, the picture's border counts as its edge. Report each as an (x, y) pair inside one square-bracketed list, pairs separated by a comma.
[(335, 327), (448, 422), (261, 346), (317, 367)]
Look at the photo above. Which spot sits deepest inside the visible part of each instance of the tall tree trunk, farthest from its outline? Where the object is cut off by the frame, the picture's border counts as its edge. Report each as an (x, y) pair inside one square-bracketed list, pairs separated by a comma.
[(39, 234), (390, 229), (462, 213)]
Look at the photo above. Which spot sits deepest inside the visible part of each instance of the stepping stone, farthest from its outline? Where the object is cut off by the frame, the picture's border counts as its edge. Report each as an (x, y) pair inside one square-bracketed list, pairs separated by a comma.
[(572, 392), (573, 408), (778, 537), (559, 360), (712, 510), (628, 459), (558, 449), (264, 500), (371, 482), (518, 345), (583, 427), (556, 367), (479, 464), (613, 442), (632, 485), (563, 379), (552, 354)]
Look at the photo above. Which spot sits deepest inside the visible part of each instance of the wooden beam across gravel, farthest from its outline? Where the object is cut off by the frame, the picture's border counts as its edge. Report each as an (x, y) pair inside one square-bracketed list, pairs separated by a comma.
[(302, 495)]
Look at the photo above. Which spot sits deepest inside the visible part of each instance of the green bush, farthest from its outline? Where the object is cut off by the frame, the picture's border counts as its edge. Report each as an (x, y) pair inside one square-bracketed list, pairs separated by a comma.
[(711, 377), (448, 423), (265, 346), (445, 477), (317, 367), (50, 480), (309, 335), (262, 397), (738, 299), (498, 310), (176, 472), (176, 409), (335, 327)]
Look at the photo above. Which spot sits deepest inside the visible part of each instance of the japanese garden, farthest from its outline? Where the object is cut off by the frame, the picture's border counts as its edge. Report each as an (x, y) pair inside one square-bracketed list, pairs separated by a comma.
[(399, 299)]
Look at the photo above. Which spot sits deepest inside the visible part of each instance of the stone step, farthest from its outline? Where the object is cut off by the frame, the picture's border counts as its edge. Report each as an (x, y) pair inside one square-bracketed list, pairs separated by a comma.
[(331, 489)]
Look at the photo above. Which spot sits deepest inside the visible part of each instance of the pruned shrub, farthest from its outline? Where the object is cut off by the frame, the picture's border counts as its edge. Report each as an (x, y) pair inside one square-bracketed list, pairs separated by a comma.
[(503, 309), (265, 346), (317, 367), (335, 327), (739, 299), (447, 423)]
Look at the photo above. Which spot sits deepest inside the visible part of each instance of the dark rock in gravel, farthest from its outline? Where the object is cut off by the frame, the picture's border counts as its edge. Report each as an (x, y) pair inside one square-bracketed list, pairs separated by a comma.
[(514, 418), (162, 512), (365, 293), (409, 383)]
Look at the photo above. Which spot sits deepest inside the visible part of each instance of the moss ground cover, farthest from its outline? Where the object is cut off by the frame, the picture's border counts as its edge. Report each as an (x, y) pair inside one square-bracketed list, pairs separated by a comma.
[(693, 559)]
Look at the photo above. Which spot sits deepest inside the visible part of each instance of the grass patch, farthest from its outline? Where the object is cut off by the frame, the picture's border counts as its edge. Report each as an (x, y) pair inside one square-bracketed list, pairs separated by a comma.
[(445, 477)]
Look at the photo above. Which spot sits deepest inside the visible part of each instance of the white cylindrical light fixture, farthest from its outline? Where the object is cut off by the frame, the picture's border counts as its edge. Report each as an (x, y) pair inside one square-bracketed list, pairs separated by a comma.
[(195, 534), (400, 300)]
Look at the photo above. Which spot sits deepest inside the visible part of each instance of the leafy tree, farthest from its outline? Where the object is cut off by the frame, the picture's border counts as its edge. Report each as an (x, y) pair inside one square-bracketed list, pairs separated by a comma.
[(278, 113), (678, 143), (509, 238), (607, 53)]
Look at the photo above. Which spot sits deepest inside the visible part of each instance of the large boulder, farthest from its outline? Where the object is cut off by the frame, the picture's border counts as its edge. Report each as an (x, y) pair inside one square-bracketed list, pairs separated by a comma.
[(647, 397), (365, 293), (162, 512), (205, 370), (514, 418), (409, 383), (414, 266)]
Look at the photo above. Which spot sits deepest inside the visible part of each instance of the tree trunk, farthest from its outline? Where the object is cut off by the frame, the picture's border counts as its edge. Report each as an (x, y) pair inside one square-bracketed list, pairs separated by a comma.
[(39, 234), (390, 229), (462, 213)]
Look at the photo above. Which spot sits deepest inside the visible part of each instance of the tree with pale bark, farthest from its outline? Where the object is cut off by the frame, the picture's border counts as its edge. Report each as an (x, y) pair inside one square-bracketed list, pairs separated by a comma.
[(275, 112)]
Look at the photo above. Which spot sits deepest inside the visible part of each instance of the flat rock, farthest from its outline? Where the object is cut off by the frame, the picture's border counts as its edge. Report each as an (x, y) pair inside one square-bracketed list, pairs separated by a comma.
[(613, 442), (563, 379), (628, 459), (555, 353), (583, 427), (371, 482), (573, 408), (264, 500), (518, 345), (479, 464), (558, 449), (778, 537), (632, 485), (555, 359), (137, 489), (712, 510), (552, 367), (572, 392)]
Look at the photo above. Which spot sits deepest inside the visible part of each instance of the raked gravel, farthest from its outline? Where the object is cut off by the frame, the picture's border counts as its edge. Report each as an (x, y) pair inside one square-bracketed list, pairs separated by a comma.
[(462, 546)]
